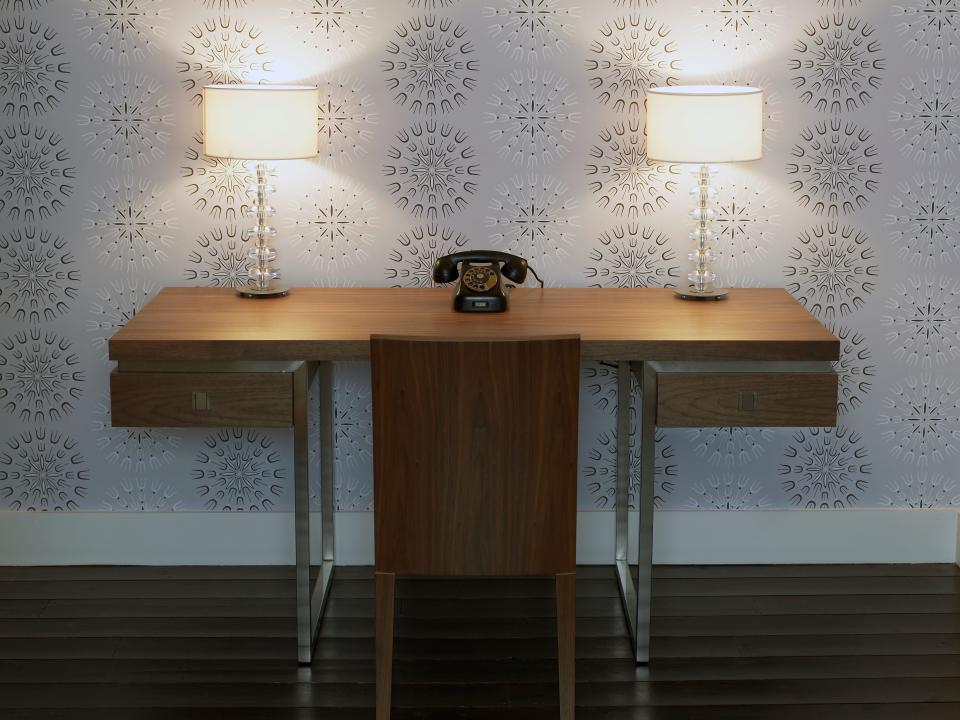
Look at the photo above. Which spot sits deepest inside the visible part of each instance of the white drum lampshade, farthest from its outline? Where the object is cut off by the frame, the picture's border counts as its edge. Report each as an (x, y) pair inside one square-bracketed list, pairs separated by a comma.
[(704, 124), (260, 122)]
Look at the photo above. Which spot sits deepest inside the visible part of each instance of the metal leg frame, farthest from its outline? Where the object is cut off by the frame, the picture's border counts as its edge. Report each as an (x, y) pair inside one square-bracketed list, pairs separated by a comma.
[(636, 596), (312, 598)]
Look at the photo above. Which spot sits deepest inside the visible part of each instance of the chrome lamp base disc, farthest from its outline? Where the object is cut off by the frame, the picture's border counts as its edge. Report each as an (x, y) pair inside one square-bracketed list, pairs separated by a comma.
[(252, 292), (691, 293)]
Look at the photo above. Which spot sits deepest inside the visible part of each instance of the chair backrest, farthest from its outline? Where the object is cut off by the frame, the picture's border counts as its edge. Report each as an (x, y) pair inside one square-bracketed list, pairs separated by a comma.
[(475, 455)]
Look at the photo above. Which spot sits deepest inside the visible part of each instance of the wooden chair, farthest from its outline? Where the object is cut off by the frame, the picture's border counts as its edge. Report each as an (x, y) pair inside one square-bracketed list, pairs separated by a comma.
[(475, 473)]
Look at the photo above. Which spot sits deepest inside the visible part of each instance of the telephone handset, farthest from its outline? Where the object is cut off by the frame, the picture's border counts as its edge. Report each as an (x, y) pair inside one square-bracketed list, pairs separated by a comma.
[(480, 282)]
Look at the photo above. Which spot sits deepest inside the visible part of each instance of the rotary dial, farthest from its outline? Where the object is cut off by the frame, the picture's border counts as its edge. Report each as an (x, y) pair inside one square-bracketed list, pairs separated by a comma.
[(479, 278)]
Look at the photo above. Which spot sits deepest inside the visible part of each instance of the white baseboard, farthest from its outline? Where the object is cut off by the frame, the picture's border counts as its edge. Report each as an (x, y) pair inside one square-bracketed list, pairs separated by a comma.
[(777, 537)]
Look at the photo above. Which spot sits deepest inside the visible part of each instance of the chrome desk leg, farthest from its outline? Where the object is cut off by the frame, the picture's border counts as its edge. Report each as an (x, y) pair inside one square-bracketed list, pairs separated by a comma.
[(628, 593), (647, 377), (636, 596), (327, 469), (312, 598)]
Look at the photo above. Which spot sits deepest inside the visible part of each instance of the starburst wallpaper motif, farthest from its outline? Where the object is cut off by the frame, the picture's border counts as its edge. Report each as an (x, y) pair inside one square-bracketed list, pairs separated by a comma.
[(740, 25), (121, 31), (239, 469), (42, 376), (431, 4), (36, 173), (921, 491), (353, 439), (621, 177), (133, 450), (42, 469), (825, 468), (21, 5), (628, 257), (218, 259), (126, 119), (729, 447), (430, 67), (600, 472), (600, 382), (925, 119), (130, 224), (113, 306), (139, 495), (515, 125), (855, 369), (922, 321), (921, 422), (929, 29), (835, 168), (630, 55), (728, 491), (222, 50), (39, 279), (745, 225), (832, 270), (431, 169), (353, 445), (34, 71), (534, 117), (531, 30), (839, 63), (411, 261), (346, 117), (216, 186), (334, 28), (925, 220), (533, 217), (333, 225)]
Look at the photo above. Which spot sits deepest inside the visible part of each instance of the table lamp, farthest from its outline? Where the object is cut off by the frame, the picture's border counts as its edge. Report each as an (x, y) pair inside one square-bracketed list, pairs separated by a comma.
[(260, 122), (704, 124)]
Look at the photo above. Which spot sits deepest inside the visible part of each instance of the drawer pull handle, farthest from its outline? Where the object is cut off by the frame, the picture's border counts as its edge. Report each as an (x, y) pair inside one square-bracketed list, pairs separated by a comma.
[(748, 400), (201, 400)]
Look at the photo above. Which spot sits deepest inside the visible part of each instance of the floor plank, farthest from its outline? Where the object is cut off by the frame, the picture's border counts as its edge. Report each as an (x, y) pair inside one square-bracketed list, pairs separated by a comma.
[(866, 711), (285, 627), (192, 670), (286, 572), (420, 695), (784, 642)]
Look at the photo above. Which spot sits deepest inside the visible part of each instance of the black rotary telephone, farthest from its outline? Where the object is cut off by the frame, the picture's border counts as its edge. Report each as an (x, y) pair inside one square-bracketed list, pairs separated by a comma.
[(480, 287)]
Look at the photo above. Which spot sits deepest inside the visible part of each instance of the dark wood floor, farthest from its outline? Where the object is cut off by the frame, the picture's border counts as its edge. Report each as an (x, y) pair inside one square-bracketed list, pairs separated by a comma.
[(782, 642)]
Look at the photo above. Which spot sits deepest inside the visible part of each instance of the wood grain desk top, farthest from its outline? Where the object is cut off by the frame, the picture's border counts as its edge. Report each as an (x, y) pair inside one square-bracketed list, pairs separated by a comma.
[(214, 324)]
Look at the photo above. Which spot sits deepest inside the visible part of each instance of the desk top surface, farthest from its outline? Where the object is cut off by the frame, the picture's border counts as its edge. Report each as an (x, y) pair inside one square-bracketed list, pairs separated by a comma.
[(215, 324)]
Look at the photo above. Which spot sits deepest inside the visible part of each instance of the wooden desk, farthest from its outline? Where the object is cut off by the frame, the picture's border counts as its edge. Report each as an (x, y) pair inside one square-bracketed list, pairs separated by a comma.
[(206, 357)]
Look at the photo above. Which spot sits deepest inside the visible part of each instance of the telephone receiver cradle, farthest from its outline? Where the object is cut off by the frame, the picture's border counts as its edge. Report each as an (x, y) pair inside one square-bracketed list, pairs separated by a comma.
[(480, 285)]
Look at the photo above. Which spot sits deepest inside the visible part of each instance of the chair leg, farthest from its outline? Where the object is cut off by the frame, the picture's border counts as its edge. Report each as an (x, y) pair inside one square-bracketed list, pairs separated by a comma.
[(566, 641), (385, 611)]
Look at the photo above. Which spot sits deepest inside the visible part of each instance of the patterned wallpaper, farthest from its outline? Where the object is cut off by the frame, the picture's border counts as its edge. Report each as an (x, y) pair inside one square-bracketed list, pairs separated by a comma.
[(512, 124)]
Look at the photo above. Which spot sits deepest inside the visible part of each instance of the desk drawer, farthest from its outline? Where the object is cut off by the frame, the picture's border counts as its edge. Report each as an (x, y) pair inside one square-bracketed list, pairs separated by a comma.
[(756, 399), (203, 399)]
